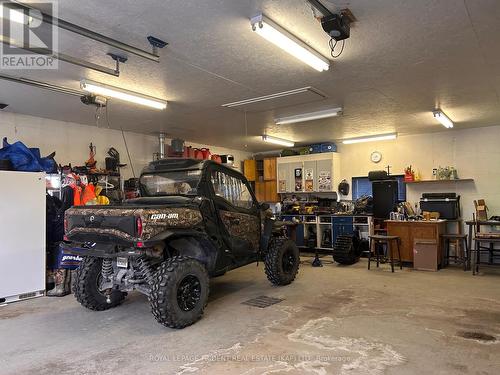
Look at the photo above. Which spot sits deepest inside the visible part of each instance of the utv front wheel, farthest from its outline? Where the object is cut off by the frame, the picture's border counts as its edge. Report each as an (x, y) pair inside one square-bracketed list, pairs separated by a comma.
[(86, 286), (282, 261), (179, 292)]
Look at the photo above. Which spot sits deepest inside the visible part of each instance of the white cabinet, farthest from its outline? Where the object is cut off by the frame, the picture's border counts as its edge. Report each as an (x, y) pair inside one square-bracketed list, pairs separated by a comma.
[(308, 173), (22, 234)]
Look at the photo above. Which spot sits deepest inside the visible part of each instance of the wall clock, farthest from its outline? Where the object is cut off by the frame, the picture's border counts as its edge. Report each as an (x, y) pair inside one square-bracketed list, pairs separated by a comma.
[(376, 156)]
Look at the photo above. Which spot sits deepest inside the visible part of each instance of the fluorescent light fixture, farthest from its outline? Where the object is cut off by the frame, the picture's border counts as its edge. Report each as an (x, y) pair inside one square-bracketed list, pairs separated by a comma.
[(121, 94), (308, 116), (16, 15), (442, 118), (283, 39), (381, 137), (278, 141), (276, 95)]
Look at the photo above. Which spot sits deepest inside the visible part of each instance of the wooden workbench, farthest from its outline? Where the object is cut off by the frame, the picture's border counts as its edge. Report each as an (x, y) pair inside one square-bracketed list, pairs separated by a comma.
[(410, 230)]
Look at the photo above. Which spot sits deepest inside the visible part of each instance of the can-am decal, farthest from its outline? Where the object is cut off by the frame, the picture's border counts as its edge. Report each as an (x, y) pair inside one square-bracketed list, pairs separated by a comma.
[(69, 258), (164, 216)]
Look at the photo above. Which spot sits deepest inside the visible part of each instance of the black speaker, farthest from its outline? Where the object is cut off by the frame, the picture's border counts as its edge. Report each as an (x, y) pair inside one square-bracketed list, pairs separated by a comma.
[(378, 175), (385, 198)]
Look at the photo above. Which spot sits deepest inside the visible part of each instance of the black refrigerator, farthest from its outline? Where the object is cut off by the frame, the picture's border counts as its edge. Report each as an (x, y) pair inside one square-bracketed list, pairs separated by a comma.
[(385, 198)]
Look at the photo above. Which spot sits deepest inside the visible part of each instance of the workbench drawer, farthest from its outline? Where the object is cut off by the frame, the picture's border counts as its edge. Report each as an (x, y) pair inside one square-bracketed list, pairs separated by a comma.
[(342, 220)]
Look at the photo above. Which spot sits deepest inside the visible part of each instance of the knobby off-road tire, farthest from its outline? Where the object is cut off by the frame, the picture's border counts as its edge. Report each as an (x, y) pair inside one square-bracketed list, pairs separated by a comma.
[(282, 261), (179, 292), (346, 250), (86, 286)]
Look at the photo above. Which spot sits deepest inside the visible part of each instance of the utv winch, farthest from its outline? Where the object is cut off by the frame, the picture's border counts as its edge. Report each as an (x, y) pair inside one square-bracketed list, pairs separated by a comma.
[(194, 220)]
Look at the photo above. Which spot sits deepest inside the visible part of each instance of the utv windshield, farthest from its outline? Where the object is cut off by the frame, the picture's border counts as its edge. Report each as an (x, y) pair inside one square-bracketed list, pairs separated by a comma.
[(171, 183)]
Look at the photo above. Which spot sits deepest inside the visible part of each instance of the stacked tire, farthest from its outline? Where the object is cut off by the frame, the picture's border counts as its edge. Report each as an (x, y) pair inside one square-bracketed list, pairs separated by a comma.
[(346, 250)]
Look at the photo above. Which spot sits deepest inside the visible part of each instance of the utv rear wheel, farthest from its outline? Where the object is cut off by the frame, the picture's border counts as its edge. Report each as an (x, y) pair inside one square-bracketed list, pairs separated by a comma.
[(179, 292), (282, 261), (86, 286)]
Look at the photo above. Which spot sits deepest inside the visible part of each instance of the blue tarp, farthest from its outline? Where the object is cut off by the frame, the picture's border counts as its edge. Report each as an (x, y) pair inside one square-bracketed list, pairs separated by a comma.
[(27, 159)]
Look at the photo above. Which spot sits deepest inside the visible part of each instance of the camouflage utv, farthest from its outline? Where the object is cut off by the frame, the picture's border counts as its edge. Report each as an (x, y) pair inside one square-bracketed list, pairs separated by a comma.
[(194, 220)]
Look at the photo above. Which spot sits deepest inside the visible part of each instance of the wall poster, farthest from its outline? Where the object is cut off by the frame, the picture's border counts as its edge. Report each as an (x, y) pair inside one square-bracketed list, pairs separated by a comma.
[(298, 179), (325, 181), (309, 179), (282, 186)]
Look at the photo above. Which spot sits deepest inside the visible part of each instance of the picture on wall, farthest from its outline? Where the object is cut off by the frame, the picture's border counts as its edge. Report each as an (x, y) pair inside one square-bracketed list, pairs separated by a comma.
[(324, 181), (298, 179), (282, 186), (309, 179)]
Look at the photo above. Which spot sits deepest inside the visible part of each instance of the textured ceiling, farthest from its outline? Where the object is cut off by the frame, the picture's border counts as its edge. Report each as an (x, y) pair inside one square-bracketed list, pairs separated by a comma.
[(404, 58)]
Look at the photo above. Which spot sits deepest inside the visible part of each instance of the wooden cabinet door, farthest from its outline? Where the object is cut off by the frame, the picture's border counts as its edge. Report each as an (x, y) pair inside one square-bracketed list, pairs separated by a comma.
[(406, 244), (260, 191), (250, 169), (425, 232), (283, 180), (310, 176), (271, 194), (293, 184), (269, 169), (324, 175)]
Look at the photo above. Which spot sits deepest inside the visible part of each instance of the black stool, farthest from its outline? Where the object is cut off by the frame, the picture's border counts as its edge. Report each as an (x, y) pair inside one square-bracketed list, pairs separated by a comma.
[(388, 241), (458, 238)]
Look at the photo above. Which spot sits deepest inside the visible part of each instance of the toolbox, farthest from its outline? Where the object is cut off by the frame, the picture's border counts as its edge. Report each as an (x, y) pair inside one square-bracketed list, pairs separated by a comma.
[(315, 149), (328, 147), (447, 204)]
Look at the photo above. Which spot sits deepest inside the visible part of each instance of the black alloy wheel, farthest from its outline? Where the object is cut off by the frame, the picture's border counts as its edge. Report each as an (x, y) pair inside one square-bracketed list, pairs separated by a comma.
[(289, 261), (189, 293)]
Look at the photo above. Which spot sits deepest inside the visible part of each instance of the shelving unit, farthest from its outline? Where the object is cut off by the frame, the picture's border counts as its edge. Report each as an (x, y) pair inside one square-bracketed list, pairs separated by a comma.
[(336, 224), (439, 181)]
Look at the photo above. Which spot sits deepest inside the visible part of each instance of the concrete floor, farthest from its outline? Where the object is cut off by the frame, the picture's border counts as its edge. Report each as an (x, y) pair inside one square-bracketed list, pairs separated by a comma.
[(333, 320)]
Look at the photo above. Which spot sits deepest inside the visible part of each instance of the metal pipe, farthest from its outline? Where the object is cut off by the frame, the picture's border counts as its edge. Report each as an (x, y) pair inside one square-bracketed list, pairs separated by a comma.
[(42, 85), (61, 56), (161, 139), (86, 32)]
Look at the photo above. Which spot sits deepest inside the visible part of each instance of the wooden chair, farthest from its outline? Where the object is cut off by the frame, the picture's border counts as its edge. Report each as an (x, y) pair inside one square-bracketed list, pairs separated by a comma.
[(489, 238)]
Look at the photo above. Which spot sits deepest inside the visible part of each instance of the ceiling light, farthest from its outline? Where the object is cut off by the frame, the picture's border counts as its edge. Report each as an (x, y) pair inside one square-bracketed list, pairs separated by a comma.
[(15, 15), (442, 118), (278, 141), (275, 34), (117, 93), (381, 137), (308, 116), (276, 95)]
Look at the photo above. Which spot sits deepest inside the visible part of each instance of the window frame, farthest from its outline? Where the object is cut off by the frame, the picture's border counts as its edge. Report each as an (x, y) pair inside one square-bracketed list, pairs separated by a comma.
[(244, 181), (399, 178)]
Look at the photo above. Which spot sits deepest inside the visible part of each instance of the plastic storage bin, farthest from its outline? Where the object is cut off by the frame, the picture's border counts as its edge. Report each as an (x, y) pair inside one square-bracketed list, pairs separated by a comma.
[(315, 149), (328, 147)]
